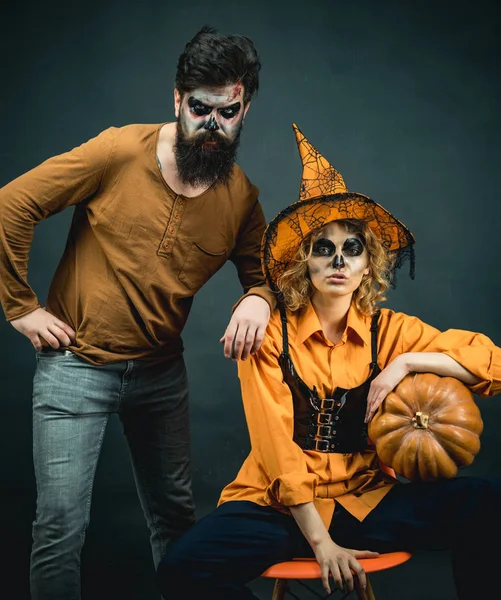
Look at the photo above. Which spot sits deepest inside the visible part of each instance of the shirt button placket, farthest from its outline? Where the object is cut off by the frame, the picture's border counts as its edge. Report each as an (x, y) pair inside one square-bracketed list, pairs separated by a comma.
[(173, 226)]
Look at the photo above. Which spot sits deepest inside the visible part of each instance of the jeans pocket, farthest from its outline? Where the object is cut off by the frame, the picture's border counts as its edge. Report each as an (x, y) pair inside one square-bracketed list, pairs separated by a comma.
[(50, 353)]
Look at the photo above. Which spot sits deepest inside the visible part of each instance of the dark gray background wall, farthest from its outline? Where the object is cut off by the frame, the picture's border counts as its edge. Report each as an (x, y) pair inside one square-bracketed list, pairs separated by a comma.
[(402, 97)]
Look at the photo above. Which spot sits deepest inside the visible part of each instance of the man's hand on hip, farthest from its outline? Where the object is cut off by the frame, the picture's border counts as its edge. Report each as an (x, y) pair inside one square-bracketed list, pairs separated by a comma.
[(39, 325)]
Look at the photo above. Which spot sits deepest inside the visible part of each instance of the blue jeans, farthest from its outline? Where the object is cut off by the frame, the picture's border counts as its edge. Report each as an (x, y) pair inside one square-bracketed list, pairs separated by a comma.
[(72, 401)]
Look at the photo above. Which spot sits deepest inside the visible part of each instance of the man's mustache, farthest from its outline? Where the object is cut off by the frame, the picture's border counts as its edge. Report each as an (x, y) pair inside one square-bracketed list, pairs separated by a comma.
[(210, 136)]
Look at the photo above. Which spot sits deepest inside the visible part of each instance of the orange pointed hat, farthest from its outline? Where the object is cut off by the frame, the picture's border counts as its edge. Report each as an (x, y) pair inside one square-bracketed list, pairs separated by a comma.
[(324, 197)]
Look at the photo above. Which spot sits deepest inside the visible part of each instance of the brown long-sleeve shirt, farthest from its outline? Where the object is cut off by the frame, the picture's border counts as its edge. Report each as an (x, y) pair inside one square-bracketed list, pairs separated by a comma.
[(136, 252)]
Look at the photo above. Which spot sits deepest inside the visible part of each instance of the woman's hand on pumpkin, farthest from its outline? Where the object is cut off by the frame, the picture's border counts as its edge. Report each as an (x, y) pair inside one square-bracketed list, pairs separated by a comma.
[(343, 566), (384, 383)]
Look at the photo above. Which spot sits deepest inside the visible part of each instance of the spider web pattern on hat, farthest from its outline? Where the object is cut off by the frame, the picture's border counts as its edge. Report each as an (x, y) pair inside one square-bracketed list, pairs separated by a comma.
[(320, 178)]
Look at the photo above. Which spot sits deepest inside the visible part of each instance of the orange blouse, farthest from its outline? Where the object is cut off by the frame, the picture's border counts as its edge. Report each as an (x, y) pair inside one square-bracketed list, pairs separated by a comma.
[(277, 472)]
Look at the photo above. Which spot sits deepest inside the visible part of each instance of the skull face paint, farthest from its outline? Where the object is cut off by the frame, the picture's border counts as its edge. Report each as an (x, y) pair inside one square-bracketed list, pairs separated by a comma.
[(212, 109), (208, 133), (352, 246), (338, 261)]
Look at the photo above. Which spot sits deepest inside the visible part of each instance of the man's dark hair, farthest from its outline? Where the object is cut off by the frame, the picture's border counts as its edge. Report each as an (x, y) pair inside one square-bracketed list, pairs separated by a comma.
[(213, 59)]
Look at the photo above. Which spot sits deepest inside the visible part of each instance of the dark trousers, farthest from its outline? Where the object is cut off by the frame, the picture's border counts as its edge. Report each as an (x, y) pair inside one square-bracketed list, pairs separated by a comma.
[(239, 540)]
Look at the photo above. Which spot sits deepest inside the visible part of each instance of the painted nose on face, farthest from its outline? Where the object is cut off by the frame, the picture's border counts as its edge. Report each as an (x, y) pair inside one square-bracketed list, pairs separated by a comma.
[(338, 262), (211, 124)]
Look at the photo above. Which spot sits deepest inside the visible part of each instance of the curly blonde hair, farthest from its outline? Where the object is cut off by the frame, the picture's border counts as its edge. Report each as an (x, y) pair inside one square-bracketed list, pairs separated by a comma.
[(295, 286)]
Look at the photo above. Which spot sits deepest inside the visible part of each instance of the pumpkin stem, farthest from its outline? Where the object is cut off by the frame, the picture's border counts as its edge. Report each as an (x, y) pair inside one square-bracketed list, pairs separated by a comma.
[(420, 420)]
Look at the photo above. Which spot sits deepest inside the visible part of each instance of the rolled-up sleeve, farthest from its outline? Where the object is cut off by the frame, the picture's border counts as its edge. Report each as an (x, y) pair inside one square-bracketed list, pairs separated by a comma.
[(59, 182), (270, 420), (474, 351)]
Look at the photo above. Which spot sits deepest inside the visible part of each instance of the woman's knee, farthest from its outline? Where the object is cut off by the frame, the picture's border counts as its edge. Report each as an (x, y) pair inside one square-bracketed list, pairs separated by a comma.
[(479, 502), (176, 569)]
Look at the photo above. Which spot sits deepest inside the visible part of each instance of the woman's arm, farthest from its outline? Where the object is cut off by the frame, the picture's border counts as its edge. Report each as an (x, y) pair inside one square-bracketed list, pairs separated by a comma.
[(438, 363), (406, 344), (401, 334), (414, 362), (334, 560)]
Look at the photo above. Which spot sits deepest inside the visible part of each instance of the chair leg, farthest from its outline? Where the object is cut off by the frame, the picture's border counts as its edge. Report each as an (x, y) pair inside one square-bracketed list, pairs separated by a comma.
[(279, 589), (369, 592)]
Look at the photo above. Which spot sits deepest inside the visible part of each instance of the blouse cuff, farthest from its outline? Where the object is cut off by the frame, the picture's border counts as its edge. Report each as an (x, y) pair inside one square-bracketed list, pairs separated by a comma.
[(292, 489), (483, 362)]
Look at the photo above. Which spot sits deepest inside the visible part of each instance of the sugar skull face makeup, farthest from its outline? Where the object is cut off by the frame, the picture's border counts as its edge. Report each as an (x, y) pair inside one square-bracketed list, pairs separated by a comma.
[(219, 109), (338, 260), (208, 133)]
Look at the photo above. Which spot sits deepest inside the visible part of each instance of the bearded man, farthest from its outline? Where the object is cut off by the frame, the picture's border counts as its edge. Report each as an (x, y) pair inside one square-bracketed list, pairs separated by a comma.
[(158, 209)]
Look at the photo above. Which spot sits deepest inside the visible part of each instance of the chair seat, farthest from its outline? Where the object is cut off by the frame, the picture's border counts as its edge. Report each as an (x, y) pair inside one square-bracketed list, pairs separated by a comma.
[(308, 568)]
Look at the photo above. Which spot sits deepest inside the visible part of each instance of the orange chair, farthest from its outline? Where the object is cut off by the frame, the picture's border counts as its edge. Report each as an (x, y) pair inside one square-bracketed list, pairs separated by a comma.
[(308, 568)]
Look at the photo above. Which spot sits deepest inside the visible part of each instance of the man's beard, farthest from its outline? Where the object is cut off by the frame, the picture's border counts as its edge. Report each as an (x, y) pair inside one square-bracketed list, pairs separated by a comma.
[(202, 166)]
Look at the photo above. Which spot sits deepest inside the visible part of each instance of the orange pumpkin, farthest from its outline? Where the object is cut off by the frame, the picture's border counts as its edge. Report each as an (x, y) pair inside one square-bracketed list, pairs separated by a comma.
[(427, 427)]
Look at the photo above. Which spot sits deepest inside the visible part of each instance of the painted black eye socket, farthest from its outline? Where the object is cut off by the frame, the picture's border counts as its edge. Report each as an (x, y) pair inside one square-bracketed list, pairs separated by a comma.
[(323, 247), (197, 108), (200, 110), (353, 247), (228, 112)]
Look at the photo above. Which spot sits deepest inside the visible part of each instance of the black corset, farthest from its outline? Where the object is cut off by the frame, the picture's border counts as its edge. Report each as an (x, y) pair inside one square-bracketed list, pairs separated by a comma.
[(334, 424)]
